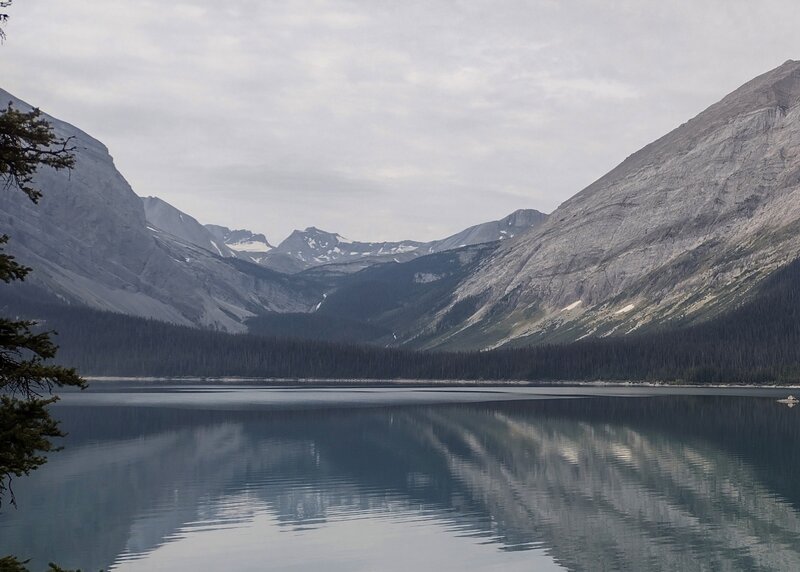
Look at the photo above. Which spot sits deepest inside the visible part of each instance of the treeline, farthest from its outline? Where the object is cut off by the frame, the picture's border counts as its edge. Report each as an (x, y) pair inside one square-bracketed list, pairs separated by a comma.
[(759, 342), (315, 326)]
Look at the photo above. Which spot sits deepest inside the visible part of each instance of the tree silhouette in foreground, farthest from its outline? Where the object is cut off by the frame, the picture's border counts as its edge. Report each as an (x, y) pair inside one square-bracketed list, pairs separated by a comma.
[(3, 17), (27, 430)]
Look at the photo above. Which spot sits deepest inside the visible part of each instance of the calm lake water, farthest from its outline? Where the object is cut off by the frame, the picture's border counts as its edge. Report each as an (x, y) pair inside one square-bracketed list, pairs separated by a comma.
[(249, 478)]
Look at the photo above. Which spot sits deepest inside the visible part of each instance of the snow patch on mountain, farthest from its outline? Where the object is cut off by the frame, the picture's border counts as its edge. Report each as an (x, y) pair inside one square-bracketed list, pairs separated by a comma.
[(625, 310), (242, 241), (515, 224)]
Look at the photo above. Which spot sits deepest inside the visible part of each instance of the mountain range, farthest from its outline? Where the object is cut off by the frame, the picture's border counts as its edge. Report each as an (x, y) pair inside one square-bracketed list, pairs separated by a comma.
[(94, 242), (681, 231), (312, 247)]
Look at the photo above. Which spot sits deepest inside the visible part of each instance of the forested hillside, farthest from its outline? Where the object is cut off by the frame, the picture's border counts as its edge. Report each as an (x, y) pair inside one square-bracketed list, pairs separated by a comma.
[(759, 342)]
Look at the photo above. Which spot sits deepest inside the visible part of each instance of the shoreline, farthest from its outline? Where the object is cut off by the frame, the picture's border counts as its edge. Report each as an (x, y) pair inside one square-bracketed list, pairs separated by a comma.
[(428, 382)]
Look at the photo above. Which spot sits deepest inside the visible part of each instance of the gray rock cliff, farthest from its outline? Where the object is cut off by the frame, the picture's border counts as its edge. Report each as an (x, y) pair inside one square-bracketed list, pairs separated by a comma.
[(681, 229), (163, 216), (89, 243)]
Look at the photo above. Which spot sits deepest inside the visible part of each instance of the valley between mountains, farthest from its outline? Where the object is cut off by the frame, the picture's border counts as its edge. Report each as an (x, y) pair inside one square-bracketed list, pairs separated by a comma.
[(684, 231)]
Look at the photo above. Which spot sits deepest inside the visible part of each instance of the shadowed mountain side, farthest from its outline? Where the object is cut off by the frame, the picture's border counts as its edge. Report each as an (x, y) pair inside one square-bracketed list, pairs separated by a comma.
[(386, 304), (402, 298), (756, 343)]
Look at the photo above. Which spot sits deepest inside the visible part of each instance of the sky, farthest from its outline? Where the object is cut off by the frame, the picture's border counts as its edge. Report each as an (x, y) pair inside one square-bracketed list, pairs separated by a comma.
[(378, 119)]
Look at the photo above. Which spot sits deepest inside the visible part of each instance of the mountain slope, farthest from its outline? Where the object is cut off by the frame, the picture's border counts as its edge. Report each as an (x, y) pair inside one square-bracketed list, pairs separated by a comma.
[(163, 216), (93, 242), (522, 220), (756, 343), (680, 230), (400, 299), (89, 243), (247, 244)]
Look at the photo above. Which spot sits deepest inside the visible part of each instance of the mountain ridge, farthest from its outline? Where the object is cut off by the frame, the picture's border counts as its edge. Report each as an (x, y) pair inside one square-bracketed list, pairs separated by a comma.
[(92, 241), (89, 243), (689, 222), (165, 217), (316, 248), (681, 230)]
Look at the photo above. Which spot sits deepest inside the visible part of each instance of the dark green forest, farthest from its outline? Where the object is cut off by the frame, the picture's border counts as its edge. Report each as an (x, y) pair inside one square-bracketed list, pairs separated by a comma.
[(759, 342)]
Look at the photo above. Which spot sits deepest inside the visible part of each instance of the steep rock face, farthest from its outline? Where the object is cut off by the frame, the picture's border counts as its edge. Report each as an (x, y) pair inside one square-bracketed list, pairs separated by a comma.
[(682, 228), (222, 241), (163, 216), (522, 220), (89, 243)]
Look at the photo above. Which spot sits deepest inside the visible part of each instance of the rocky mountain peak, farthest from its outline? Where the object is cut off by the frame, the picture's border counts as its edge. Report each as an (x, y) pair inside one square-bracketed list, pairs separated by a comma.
[(524, 218), (518, 222), (777, 90), (240, 240), (681, 228), (780, 86)]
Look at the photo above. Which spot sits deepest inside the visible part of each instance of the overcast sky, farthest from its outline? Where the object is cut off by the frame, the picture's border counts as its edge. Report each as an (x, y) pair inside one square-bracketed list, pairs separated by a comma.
[(381, 119)]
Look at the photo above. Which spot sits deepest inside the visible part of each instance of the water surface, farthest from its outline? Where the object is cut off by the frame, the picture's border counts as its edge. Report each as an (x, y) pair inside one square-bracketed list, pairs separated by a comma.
[(215, 477)]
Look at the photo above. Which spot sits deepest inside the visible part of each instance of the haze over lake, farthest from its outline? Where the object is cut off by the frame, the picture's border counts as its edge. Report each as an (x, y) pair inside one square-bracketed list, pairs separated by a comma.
[(213, 477)]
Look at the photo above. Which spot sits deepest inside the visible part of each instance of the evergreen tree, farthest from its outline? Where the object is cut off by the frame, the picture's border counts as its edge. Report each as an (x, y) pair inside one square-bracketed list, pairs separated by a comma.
[(27, 430), (3, 17)]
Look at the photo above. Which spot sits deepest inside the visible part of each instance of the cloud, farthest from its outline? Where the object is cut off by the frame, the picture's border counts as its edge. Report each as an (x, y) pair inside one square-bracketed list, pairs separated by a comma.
[(381, 120)]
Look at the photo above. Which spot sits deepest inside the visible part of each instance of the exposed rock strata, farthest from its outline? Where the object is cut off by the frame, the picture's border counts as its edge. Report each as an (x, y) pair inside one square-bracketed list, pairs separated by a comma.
[(684, 227)]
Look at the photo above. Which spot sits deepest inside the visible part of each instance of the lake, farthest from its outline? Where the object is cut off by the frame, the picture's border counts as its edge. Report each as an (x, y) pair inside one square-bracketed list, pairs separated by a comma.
[(243, 477)]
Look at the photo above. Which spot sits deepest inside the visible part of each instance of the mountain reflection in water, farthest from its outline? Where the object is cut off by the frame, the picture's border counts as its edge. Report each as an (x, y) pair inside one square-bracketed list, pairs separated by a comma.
[(661, 483)]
